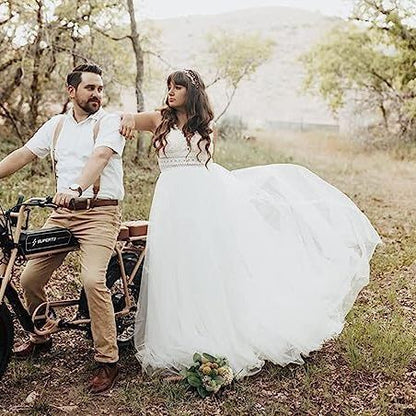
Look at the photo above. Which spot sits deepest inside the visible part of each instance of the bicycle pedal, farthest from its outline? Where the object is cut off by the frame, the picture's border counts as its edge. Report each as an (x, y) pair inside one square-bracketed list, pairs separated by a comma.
[(127, 335)]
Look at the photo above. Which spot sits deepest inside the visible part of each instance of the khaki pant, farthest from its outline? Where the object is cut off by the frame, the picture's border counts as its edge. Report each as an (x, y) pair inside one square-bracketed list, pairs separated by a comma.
[(96, 230)]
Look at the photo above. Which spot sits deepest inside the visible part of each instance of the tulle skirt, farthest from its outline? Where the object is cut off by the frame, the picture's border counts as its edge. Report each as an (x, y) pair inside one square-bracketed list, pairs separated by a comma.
[(255, 264)]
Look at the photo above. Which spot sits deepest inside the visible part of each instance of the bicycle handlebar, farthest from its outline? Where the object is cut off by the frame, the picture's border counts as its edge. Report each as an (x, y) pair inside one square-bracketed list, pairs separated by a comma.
[(35, 202), (41, 202)]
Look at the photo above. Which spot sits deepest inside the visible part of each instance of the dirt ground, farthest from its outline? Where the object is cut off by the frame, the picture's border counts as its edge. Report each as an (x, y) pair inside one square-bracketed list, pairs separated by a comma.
[(369, 370)]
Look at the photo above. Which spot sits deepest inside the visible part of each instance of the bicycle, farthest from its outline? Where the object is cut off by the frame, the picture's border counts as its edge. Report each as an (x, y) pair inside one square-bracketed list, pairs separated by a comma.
[(18, 244)]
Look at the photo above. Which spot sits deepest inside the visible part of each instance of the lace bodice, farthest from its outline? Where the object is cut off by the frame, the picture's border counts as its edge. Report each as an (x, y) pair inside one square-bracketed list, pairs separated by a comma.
[(178, 154)]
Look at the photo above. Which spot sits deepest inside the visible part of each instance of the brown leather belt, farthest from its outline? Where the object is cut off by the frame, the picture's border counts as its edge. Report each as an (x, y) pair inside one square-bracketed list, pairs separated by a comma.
[(78, 204)]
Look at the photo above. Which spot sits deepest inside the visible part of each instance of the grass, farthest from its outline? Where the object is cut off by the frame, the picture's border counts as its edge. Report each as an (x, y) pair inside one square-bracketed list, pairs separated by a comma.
[(370, 370), (386, 347), (23, 372), (398, 254)]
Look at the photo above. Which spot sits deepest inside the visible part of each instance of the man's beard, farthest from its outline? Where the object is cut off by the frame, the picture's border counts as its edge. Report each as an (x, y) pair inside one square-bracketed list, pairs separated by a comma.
[(89, 106)]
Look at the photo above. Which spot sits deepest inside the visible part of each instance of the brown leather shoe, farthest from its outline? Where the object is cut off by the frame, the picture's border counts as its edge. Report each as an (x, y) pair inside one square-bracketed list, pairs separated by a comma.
[(103, 378), (30, 349)]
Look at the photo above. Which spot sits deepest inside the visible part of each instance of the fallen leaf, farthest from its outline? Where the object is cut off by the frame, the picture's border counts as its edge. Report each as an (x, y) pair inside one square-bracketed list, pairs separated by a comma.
[(31, 398)]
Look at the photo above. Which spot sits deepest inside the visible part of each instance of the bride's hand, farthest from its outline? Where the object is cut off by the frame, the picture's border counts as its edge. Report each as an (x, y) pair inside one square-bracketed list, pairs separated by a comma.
[(127, 126)]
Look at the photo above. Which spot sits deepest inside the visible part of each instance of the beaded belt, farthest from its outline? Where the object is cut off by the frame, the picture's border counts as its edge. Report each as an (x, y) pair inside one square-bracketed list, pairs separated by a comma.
[(178, 162)]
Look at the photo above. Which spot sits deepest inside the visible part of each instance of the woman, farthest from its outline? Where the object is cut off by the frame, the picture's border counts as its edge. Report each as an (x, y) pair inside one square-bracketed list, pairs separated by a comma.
[(255, 264)]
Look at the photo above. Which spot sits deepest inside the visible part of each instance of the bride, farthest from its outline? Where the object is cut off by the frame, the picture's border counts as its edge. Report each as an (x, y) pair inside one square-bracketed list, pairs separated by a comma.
[(253, 264)]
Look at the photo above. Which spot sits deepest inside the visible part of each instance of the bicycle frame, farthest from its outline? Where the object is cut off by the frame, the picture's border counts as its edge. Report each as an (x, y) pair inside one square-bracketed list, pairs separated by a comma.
[(43, 311)]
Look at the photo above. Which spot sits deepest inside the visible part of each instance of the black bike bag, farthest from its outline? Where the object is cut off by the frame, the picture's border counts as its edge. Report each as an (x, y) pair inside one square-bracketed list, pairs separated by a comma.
[(47, 240)]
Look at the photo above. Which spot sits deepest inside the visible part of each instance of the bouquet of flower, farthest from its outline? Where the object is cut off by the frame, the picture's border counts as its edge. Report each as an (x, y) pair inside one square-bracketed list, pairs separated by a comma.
[(208, 374)]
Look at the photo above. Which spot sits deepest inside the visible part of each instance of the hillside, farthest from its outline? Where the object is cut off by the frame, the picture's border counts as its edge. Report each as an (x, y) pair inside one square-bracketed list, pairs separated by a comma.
[(274, 89)]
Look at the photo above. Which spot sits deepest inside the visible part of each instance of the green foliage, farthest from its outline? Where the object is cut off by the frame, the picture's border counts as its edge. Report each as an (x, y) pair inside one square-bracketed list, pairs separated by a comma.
[(372, 62), (347, 59), (45, 40), (237, 56), (231, 128)]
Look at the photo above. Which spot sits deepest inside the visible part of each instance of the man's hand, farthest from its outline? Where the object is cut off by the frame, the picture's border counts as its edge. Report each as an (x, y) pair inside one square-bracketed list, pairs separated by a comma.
[(127, 126), (64, 198)]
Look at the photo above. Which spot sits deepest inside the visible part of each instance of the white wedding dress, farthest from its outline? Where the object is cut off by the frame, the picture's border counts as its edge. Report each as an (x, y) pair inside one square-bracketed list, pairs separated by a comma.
[(254, 264)]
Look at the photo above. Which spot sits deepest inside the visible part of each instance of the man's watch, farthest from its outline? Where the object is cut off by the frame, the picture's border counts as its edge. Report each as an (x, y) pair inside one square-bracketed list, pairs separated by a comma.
[(77, 188)]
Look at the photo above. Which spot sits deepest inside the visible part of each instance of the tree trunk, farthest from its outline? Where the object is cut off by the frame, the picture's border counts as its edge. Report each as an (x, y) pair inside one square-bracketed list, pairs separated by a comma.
[(230, 98), (384, 114), (36, 81), (138, 54)]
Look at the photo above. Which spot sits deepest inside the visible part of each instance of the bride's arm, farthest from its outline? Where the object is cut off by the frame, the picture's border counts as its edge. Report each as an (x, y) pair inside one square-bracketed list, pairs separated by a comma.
[(146, 121)]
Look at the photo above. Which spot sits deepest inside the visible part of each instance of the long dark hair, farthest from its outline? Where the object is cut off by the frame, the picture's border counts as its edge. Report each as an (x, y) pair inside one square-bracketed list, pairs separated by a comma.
[(198, 110)]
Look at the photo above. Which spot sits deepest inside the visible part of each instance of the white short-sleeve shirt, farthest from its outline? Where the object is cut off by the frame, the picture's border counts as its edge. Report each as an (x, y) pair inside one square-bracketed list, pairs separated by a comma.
[(76, 144)]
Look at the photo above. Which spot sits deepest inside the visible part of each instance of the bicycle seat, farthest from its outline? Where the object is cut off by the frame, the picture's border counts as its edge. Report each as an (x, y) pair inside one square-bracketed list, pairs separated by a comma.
[(131, 229)]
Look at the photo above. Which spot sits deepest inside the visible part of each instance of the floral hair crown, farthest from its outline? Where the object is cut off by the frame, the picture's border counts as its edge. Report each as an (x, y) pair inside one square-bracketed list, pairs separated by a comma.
[(191, 75)]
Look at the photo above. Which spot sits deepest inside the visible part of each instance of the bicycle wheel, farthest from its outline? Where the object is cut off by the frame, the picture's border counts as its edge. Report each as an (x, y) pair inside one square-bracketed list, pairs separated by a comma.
[(125, 324), (6, 337)]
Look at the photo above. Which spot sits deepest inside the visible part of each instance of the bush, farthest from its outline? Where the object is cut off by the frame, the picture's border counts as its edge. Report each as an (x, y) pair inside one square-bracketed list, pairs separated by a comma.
[(231, 128)]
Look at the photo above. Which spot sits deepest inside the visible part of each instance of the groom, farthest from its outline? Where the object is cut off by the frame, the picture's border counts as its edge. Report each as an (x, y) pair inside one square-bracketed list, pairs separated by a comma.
[(86, 145)]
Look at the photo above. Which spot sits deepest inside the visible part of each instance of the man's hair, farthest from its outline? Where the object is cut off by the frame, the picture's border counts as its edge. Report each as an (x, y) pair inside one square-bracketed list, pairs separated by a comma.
[(74, 77)]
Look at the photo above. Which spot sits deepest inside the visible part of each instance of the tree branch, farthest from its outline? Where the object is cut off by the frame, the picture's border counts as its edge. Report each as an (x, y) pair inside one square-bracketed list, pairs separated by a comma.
[(6, 93), (10, 62), (168, 64), (387, 82), (216, 79), (72, 52), (9, 116), (403, 32), (227, 105), (102, 32)]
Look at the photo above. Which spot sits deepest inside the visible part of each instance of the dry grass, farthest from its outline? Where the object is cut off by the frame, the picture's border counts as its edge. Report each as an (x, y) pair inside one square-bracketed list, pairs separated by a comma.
[(369, 370)]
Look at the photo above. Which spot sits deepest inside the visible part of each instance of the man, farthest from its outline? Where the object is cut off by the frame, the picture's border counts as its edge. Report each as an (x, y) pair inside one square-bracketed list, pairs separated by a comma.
[(81, 162)]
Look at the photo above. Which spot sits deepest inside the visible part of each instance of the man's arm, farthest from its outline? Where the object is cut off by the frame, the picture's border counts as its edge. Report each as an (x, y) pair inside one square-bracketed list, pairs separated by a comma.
[(90, 173), (15, 161), (94, 166)]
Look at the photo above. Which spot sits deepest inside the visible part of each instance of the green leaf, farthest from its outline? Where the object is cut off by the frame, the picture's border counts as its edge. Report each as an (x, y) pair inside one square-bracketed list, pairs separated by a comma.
[(202, 392), (223, 362), (209, 357), (219, 379), (194, 381), (197, 357)]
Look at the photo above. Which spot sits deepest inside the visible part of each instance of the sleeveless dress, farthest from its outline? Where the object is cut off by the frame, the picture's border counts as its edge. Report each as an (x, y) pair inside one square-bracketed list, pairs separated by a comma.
[(253, 264)]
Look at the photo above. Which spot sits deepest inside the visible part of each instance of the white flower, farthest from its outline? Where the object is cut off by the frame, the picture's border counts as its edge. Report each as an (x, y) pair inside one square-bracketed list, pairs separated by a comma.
[(227, 374), (211, 386)]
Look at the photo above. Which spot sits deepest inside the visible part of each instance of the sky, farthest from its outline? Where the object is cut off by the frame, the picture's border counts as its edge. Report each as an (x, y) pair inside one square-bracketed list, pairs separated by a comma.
[(161, 9)]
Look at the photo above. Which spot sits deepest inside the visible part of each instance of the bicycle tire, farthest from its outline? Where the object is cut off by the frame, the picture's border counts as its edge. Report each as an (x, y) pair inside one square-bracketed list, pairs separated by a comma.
[(6, 337)]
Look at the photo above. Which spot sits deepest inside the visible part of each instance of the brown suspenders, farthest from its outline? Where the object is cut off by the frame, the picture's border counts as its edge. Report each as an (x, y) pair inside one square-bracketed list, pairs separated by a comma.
[(55, 137)]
